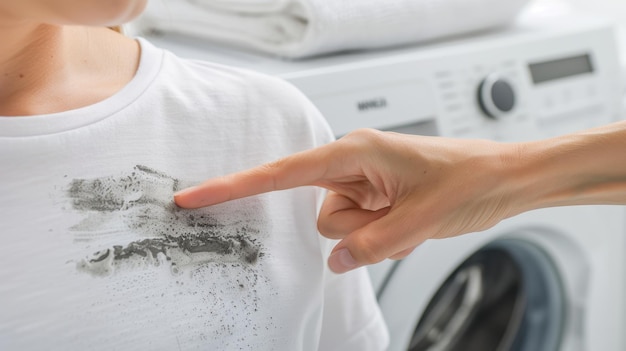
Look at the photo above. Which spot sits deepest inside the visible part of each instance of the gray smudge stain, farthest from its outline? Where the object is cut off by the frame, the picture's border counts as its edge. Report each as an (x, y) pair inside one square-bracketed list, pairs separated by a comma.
[(141, 203)]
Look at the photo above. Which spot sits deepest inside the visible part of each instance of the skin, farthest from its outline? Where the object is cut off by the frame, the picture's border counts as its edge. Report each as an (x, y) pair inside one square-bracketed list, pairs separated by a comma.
[(49, 61), (390, 192)]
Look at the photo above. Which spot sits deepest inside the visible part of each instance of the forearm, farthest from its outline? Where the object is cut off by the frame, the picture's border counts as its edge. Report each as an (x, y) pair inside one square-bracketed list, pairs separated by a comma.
[(575, 169)]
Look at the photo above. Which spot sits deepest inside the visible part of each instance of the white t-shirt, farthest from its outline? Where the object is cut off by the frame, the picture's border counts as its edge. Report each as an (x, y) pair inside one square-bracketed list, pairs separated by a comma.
[(94, 255)]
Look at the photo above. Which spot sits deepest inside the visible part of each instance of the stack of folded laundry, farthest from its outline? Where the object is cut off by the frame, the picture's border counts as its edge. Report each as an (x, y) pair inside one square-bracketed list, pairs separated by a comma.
[(302, 28)]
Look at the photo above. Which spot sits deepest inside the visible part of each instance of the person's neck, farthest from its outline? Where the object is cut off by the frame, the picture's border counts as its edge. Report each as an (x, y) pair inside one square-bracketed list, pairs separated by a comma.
[(47, 69)]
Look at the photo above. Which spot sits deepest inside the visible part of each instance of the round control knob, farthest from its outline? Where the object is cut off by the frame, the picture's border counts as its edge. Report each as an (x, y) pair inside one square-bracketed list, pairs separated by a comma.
[(496, 96)]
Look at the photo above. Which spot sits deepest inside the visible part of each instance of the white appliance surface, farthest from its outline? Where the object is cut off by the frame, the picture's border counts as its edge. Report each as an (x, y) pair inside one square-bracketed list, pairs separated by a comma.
[(539, 78)]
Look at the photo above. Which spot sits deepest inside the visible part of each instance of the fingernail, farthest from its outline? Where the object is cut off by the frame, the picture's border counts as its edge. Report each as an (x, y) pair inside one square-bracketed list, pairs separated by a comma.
[(342, 261), (185, 191)]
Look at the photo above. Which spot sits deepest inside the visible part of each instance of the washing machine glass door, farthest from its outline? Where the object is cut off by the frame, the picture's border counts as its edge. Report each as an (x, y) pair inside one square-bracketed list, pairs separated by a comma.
[(506, 296)]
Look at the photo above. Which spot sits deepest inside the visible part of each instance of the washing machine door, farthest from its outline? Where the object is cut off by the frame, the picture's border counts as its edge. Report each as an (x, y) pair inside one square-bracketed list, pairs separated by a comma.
[(505, 296)]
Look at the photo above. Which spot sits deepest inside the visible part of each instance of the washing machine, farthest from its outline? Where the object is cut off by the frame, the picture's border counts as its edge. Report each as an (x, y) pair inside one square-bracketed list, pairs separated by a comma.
[(550, 279)]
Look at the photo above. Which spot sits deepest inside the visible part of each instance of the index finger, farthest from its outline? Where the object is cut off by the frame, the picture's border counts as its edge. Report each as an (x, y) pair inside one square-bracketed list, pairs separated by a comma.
[(303, 168)]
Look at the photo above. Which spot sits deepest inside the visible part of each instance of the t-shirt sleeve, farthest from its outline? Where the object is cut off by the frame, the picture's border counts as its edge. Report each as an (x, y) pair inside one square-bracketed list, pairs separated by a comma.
[(352, 319)]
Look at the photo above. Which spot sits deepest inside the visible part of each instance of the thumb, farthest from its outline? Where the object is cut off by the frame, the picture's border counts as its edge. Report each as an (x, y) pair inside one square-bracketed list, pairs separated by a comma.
[(386, 237)]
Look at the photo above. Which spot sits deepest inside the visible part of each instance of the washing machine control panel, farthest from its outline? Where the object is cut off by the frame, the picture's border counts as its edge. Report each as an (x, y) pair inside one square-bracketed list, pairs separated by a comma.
[(512, 88), (525, 96)]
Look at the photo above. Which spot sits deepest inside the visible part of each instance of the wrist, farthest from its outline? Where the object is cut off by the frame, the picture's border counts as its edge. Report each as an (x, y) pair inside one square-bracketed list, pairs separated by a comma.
[(574, 169), (536, 177)]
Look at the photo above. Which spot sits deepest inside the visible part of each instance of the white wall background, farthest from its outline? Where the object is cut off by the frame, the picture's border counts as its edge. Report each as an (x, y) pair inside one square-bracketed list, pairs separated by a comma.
[(612, 9), (615, 9)]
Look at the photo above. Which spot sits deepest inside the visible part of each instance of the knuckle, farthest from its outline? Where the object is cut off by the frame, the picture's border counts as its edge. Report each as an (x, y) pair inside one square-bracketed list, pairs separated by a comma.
[(367, 249), (364, 135), (367, 141), (269, 171), (272, 166), (329, 226), (329, 230)]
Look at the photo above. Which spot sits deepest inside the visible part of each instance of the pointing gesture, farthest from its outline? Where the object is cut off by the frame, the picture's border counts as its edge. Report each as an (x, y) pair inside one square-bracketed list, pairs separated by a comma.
[(390, 192)]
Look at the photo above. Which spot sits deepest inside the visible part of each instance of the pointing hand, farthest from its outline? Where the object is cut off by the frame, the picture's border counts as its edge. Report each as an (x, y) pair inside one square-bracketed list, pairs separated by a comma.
[(388, 192)]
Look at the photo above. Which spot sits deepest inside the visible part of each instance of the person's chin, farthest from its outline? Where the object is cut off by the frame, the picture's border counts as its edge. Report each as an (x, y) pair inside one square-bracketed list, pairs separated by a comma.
[(117, 12)]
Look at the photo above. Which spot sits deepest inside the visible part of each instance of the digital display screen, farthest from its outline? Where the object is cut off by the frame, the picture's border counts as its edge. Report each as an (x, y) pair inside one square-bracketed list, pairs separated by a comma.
[(570, 66)]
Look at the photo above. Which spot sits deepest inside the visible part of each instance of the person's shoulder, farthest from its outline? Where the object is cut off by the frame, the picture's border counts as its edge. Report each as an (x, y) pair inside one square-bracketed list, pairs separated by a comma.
[(255, 86), (264, 88), (241, 94)]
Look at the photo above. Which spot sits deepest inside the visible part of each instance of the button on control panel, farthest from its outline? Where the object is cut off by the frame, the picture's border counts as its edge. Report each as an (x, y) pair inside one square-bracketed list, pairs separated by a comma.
[(496, 96)]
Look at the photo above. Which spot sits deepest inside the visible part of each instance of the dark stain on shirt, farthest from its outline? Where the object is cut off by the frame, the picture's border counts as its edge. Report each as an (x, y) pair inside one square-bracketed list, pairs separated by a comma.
[(140, 203)]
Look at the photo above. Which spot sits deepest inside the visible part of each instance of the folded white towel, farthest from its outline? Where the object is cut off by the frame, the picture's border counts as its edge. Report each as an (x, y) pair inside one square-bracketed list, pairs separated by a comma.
[(299, 28)]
